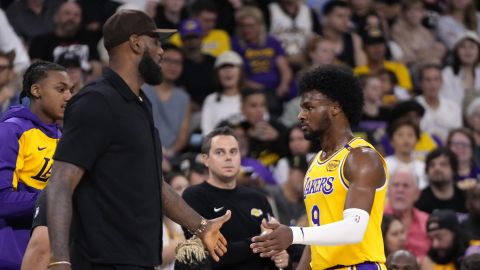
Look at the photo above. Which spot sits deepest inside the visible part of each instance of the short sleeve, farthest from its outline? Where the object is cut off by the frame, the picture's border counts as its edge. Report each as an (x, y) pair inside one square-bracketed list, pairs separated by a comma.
[(40, 215), (277, 46), (88, 129)]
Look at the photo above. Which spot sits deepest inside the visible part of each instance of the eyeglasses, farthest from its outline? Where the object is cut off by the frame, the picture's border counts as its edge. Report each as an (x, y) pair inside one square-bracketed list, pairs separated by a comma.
[(461, 144)]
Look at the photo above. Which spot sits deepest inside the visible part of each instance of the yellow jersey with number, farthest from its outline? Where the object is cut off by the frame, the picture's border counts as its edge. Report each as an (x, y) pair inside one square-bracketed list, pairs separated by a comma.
[(325, 193)]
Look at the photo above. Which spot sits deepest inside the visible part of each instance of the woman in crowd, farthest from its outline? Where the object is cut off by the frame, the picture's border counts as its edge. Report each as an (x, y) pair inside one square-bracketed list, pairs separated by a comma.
[(225, 102), (461, 80), (462, 143), (266, 65), (393, 232), (297, 145), (460, 16)]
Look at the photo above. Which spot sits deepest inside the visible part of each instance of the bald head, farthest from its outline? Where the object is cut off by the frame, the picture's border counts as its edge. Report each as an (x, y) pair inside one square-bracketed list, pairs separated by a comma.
[(402, 260)]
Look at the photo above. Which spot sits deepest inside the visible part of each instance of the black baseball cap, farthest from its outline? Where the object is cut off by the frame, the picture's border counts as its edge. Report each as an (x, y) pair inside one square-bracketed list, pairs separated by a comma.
[(126, 22), (443, 219), (373, 36)]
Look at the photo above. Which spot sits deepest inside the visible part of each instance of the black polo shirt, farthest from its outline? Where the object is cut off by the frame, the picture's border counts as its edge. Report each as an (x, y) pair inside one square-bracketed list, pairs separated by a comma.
[(117, 215)]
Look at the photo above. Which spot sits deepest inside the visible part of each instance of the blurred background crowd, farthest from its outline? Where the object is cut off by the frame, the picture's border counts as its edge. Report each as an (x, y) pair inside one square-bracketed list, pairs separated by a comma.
[(238, 62)]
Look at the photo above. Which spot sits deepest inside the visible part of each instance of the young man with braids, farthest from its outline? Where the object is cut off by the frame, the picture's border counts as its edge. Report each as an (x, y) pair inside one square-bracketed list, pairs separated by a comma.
[(345, 185), (28, 139)]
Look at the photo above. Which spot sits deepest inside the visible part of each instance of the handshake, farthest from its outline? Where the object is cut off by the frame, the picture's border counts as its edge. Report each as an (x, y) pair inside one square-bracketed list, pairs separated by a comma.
[(267, 243)]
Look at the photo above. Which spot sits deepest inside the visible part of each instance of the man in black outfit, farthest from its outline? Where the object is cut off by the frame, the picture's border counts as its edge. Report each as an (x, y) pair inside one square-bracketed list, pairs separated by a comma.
[(221, 154), (441, 166), (107, 179)]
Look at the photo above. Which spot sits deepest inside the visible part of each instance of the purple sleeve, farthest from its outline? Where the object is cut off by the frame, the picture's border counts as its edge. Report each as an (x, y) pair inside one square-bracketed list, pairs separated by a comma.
[(14, 204), (276, 45)]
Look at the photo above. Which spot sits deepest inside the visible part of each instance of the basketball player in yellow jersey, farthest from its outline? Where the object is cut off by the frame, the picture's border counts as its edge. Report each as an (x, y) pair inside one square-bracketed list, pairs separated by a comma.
[(344, 188)]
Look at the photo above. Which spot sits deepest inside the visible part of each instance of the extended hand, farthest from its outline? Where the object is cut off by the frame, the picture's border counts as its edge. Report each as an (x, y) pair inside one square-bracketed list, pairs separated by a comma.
[(212, 239), (281, 259), (274, 242)]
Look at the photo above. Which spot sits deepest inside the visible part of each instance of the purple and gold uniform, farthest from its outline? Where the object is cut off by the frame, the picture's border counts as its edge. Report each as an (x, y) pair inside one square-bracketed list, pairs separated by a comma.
[(26, 149)]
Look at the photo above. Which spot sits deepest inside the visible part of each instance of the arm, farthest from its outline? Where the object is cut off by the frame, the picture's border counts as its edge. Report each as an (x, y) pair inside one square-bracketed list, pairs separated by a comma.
[(208, 230), (304, 263), (360, 57), (65, 178), (365, 172), (285, 75), (14, 204), (37, 255), (183, 134)]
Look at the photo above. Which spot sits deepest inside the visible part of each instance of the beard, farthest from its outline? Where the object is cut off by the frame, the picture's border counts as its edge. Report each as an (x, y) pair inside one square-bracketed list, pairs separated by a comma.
[(439, 182), (150, 71), (451, 254)]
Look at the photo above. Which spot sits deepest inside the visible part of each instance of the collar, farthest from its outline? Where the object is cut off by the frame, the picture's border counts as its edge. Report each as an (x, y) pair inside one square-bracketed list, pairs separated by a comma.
[(119, 84)]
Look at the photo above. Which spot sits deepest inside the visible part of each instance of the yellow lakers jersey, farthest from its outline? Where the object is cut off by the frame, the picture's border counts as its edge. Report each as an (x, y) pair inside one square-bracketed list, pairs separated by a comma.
[(325, 192)]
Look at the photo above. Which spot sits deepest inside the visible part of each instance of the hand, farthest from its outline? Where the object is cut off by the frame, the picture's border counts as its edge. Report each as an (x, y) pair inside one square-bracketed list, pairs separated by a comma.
[(281, 259), (212, 239), (274, 242)]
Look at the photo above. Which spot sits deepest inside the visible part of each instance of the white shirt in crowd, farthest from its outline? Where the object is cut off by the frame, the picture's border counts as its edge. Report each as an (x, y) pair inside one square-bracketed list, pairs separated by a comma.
[(441, 120), (213, 111), (418, 167), (453, 88)]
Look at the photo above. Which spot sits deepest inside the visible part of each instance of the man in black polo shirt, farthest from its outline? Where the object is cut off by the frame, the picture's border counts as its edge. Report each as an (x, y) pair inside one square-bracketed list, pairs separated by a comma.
[(108, 164)]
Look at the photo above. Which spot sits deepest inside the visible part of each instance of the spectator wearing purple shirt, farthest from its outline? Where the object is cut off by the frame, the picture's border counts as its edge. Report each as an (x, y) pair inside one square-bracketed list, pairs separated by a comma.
[(265, 62)]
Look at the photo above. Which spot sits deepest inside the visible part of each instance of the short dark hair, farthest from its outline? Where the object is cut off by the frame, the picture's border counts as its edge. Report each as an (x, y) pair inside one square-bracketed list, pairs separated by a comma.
[(442, 151), (426, 67), (246, 92), (404, 121), (339, 86), (401, 109), (203, 5), (35, 73), (331, 5), (220, 131), (391, 75)]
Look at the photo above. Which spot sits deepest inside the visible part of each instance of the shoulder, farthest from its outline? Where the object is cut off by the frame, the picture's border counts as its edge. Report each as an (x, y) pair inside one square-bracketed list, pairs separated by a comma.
[(13, 129), (365, 163), (180, 93), (194, 191)]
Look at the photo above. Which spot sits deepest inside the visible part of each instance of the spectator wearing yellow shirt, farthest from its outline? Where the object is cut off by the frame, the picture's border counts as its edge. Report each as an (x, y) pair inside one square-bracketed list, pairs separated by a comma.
[(214, 41), (376, 50)]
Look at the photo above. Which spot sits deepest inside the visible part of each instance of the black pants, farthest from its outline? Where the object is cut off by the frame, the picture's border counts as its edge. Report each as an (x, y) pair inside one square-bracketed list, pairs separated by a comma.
[(79, 262)]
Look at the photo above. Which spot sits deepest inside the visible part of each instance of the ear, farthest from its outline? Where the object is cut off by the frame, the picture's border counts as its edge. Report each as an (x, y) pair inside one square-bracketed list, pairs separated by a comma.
[(136, 44), (335, 109), (205, 160), (35, 90)]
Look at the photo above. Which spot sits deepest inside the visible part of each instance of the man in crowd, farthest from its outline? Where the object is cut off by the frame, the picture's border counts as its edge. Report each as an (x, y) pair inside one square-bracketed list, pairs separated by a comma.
[(221, 154), (442, 193)]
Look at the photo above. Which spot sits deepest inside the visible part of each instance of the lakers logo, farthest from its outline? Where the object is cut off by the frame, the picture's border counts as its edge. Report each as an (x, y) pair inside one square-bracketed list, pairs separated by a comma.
[(333, 165), (256, 212), (321, 184)]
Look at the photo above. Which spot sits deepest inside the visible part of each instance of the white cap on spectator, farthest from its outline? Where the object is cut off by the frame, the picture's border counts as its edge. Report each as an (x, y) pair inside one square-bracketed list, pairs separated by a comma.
[(228, 58), (473, 106), (471, 35)]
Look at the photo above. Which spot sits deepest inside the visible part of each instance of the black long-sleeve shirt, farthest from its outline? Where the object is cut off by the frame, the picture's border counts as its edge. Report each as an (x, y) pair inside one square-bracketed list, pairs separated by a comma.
[(248, 207)]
